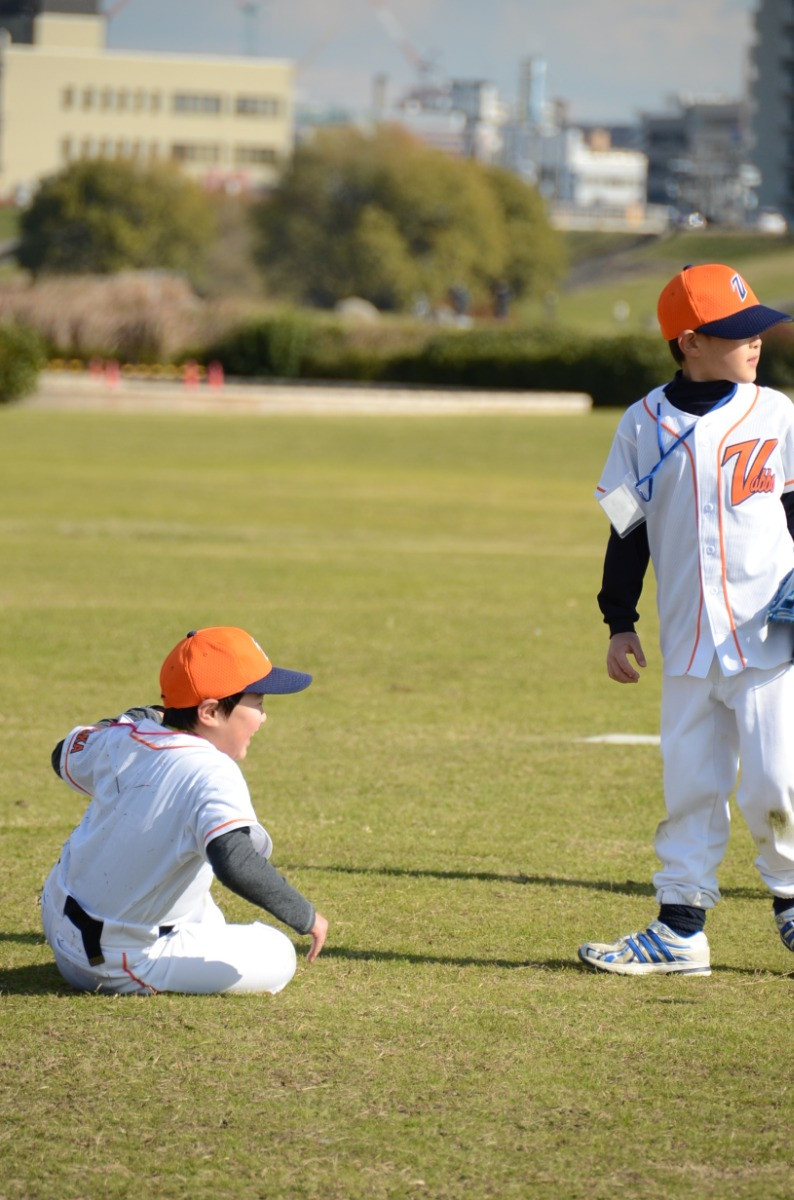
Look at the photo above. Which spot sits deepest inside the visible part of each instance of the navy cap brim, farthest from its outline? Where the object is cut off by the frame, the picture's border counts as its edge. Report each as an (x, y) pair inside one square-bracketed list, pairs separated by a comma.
[(745, 324), (280, 682)]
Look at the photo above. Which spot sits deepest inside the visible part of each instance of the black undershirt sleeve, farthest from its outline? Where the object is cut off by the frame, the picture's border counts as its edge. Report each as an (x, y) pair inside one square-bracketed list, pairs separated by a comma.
[(625, 563), (237, 865), (55, 758)]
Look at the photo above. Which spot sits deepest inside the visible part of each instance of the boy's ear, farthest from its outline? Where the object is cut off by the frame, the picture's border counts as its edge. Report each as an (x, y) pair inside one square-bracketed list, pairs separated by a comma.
[(208, 712), (688, 342)]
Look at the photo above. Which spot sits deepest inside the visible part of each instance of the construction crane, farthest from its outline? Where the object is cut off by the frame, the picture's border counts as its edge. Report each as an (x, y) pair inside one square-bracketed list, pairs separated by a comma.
[(423, 66), (112, 9), (320, 43)]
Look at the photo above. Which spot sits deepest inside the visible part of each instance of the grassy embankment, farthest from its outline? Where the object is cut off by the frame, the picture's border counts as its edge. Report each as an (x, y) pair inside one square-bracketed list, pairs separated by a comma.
[(610, 274)]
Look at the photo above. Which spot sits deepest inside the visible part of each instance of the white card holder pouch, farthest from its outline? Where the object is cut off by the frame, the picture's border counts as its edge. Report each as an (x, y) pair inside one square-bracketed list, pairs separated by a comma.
[(623, 507)]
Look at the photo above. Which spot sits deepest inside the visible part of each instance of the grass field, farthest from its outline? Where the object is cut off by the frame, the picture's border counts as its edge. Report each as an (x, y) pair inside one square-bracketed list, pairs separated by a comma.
[(432, 793)]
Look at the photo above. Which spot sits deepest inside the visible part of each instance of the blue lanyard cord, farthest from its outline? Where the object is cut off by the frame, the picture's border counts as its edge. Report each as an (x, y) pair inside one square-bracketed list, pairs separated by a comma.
[(663, 454)]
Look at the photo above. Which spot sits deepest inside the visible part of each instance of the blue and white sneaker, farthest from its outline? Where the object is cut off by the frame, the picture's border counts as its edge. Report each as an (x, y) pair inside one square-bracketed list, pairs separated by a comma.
[(785, 923), (654, 951)]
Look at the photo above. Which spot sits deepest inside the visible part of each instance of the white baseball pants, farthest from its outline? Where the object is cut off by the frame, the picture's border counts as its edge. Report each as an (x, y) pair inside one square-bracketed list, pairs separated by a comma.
[(203, 955), (708, 727)]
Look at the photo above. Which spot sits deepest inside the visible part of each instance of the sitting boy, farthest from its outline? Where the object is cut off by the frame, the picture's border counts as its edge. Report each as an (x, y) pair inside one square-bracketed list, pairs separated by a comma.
[(127, 908)]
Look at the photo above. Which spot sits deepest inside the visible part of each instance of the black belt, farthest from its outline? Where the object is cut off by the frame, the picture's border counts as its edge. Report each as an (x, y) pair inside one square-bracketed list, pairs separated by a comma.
[(91, 930)]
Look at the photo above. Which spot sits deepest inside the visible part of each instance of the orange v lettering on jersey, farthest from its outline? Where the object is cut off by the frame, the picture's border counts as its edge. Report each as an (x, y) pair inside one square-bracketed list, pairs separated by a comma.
[(750, 475)]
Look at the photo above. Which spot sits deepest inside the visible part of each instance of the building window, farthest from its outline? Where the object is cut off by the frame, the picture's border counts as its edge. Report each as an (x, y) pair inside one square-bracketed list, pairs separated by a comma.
[(106, 98), (122, 99), (196, 152), (66, 150), (89, 98), (257, 106), (67, 97), (254, 155), (192, 102), (154, 101)]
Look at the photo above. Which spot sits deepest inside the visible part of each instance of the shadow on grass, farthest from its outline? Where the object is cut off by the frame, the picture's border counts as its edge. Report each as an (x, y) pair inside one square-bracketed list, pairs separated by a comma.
[(23, 939), (39, 979), (630, 887), (571, 964), (43, 979), (445, 960)]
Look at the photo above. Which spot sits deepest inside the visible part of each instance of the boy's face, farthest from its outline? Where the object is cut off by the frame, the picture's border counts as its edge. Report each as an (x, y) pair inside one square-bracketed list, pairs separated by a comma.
[(232, 734), (720, 358)]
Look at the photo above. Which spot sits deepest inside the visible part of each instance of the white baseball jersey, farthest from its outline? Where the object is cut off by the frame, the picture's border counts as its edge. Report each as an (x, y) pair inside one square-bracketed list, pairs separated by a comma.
[(717, 530), (158, 798)]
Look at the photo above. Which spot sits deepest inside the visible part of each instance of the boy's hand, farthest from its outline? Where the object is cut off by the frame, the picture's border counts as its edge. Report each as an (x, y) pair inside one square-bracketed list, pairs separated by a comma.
[(618, 666), (317, 933)]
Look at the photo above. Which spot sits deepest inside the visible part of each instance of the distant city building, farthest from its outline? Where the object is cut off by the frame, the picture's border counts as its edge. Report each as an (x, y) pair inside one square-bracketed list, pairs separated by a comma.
[(441, 129), (699, 159), (586, 179), (462, 117), (479, 102), (532, 110), (426, 111), (772, 104), (228, 122)]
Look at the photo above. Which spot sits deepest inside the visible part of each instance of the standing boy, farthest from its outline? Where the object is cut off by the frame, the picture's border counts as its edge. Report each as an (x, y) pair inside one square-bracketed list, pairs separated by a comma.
[(700, 479), (127, 907)]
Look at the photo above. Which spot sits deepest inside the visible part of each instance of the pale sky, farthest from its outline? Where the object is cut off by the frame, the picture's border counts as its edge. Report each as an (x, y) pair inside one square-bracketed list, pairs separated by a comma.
[(609, 59)]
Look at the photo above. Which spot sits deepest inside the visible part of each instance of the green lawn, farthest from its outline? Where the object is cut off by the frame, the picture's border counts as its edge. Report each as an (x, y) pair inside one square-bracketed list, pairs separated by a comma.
[(431, 793)]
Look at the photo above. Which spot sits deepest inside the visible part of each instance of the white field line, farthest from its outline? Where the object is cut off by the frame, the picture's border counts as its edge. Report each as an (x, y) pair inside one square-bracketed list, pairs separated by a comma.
[(623, 739)]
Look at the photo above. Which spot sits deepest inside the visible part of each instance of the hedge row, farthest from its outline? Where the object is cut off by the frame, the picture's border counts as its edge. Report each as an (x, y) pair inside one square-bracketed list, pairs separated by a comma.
[(22, 357), (613, 371)]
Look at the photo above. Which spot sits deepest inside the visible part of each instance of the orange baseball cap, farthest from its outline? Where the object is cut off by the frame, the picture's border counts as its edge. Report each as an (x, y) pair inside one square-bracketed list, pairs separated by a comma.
[(716, 300), (210, 664)]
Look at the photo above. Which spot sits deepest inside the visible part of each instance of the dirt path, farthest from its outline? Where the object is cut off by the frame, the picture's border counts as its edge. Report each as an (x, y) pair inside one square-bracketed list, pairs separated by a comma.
[(68, 390)]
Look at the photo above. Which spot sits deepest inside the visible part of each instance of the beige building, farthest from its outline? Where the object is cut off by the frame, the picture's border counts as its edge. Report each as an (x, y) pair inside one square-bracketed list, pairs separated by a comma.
[(63, 96)]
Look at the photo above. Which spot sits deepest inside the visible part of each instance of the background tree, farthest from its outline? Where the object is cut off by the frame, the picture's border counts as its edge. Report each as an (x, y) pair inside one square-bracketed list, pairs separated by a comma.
[(536, 258), (384, 217), (100, 217)]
